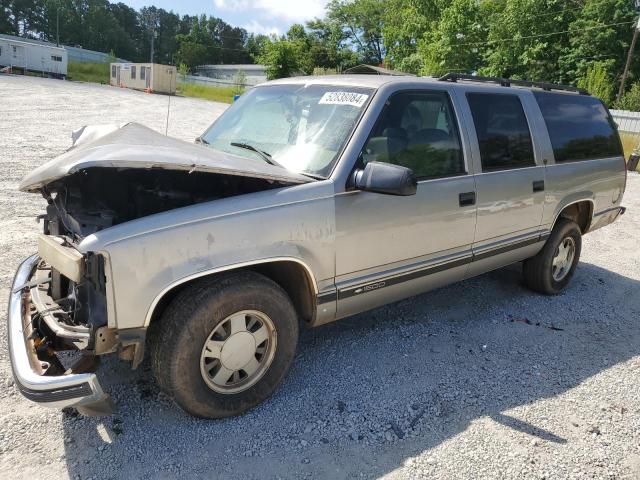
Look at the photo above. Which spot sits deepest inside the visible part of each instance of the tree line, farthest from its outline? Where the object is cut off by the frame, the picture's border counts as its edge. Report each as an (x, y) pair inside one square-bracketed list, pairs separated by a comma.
[(580, 42), (127, 33)]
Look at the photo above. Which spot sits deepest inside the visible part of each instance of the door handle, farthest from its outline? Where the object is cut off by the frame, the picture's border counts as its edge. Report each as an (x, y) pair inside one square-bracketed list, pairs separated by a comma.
[(467, 199), (538, 186)]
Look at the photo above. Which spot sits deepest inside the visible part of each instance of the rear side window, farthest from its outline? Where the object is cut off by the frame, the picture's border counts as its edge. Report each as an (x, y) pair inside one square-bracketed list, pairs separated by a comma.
[(503, 132), (580, 127)]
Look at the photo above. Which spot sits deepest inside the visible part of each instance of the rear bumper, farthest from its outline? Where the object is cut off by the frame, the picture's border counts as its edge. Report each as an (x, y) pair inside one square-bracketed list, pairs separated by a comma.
[(80, 390)]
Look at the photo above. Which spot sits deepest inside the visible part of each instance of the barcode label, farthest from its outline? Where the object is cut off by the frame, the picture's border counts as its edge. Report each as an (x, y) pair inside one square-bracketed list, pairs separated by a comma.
[(344, 98)]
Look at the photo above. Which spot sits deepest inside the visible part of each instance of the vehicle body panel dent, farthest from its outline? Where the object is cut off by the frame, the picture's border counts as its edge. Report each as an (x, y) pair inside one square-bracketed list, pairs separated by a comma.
[(136, 146)]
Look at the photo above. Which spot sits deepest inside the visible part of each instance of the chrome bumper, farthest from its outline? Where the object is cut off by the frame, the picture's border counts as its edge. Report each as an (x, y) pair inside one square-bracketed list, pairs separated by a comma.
[(80, 390)]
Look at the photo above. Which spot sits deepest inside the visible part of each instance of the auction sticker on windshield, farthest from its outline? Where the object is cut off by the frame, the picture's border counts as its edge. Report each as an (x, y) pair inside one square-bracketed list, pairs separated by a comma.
[(343, 98)]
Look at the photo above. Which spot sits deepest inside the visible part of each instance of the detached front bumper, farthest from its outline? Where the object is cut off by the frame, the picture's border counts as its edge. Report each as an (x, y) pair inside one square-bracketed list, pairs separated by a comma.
[(81, 390)]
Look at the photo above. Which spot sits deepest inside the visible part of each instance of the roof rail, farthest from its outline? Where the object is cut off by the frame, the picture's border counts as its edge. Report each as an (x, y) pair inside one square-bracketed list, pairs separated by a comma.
[(507, 82)]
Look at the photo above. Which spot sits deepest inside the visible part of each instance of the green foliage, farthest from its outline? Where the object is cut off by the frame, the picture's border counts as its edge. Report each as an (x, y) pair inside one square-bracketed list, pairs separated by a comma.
[(361, 23), (88, 72), (256, 45), (104, 26), (413, 63), (215, 94), (630, 100), (239, 80), (589, 42), (522, 39), (281, 58), (191, 54), (405, 22), (183, 71), (456, 43), (598, 82), (553, 40)]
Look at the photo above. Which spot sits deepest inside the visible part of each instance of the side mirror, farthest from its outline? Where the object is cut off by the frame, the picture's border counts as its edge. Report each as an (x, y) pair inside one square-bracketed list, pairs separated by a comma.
[(386, 178)]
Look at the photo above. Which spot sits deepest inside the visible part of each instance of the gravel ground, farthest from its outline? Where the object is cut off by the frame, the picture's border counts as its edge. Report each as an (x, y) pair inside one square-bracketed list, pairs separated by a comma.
[(501, 383)]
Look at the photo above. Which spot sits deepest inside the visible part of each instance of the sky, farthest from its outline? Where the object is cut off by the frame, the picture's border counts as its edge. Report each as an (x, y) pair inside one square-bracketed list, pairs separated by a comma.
[(257, 16)]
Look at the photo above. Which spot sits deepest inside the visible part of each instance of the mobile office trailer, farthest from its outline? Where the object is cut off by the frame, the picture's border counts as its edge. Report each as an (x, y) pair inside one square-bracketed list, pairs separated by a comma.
[(150, 77), (33, 57)]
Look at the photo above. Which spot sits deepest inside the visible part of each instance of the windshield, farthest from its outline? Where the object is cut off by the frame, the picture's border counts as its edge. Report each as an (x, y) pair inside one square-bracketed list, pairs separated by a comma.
[(301, 128)]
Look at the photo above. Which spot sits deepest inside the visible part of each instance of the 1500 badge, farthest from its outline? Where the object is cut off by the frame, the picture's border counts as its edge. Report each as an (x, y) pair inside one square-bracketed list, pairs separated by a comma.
[(368, 288)]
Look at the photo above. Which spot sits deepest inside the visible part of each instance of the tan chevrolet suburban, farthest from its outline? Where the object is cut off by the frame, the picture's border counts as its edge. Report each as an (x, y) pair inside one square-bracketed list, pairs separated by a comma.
[(309, 200)]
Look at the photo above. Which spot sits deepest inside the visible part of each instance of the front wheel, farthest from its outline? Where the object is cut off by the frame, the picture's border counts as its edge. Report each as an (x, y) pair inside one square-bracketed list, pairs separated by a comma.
[(550, 271), (225, 344)]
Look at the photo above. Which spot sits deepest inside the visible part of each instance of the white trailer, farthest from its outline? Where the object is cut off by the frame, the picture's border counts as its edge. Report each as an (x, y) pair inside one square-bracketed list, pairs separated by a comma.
[(150, 77), (33, 57)]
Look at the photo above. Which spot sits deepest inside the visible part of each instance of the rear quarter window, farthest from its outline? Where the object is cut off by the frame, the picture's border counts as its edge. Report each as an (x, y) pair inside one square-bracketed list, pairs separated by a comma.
[(580, 127)]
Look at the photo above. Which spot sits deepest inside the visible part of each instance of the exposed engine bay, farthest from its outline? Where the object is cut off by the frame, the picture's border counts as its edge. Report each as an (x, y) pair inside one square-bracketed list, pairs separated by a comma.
[(97, 198)]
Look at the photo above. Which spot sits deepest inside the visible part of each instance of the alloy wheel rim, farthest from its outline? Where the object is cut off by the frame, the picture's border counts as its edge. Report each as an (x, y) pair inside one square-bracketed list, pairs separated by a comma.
[(238, 352), (563, 259)]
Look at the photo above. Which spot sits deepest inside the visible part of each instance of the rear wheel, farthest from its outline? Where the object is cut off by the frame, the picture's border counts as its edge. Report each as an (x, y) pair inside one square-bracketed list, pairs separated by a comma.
[(225, 344), (550, 271)]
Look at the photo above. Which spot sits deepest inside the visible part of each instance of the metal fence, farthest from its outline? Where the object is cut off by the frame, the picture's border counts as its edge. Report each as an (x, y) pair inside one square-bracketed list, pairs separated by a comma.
[(629, 128), (213, 82), (77, 54), (628, 122)]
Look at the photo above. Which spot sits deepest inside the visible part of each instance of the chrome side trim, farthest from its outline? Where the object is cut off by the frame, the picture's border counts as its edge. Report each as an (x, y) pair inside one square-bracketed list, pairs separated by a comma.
[(226, 268), (327, 297), (387, 280), (77, 390), (621, 211)]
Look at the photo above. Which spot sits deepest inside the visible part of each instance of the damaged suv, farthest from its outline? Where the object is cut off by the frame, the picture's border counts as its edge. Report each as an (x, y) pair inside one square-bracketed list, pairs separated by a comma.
[(309, 200)]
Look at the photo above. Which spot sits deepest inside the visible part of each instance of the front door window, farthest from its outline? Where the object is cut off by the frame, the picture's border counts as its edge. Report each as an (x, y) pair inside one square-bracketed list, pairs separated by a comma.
[(418, 130)]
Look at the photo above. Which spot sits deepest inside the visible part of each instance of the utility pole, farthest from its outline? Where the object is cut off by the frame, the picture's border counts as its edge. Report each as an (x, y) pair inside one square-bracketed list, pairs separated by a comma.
[(151, 19), (153, 39), (58, 26), (632, 47)]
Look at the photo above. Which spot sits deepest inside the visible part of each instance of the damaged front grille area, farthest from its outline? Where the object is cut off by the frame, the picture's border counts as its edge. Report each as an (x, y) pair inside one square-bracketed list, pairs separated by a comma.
[(36, 350), (66, 304), (60, 326)]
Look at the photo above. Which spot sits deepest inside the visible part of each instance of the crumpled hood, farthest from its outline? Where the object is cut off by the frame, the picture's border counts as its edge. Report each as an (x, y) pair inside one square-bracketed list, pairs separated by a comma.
[(135, 146)]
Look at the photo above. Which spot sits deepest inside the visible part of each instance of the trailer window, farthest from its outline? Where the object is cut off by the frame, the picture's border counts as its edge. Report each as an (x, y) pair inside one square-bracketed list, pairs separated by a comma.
[(142, 75), (113, 71), (56, 58), (133, 72)]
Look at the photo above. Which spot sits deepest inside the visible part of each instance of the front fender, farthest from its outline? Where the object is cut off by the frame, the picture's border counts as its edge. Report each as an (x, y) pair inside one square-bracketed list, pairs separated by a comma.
[(148, 257)]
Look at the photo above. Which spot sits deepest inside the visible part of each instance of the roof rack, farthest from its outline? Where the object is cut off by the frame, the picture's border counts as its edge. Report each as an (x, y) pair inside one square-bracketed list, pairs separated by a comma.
[(507, 82)]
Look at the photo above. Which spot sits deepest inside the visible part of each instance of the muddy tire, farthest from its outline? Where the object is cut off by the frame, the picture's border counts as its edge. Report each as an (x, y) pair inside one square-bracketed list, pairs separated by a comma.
[(224, 344), (550, 271)]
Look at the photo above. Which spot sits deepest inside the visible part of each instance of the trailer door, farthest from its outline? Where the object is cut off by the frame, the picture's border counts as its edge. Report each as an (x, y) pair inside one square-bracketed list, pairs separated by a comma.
[(18, 56)]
